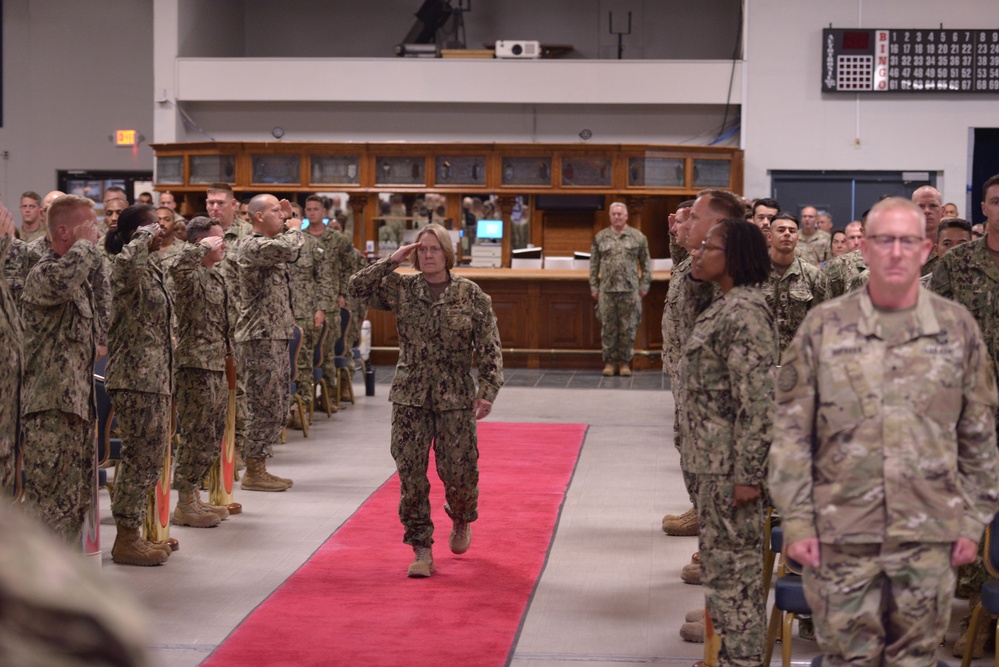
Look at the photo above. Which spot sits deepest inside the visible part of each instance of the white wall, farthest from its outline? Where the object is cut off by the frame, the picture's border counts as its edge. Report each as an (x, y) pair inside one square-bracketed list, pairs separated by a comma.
[(791, 124), (74, 72)]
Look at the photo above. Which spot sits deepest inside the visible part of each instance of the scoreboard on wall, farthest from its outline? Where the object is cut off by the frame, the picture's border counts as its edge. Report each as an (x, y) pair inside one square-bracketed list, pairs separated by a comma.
[(905, 60)]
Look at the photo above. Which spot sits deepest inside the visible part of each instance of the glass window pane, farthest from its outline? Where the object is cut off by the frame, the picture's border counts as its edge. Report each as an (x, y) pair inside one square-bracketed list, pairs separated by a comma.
[(335, 169), (460, 170), (280, 169), (170, 170), (527, 171), (400, 170), (213, 169), (711, 173), (656, 172), (586, 171)]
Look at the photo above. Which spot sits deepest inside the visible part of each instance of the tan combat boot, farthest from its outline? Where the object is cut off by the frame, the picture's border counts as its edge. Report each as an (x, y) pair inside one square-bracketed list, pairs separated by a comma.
[(189, 513), (221, 510), (129, 549), (423, 565), (693, 631), (691, 574), (625, 370), (681, 525), (256, 477), (608, 370), (461, 537), (295, 420)]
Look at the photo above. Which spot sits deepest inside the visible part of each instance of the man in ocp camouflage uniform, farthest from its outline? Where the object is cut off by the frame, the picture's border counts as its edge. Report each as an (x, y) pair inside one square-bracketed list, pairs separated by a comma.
[(11, 367), (969, 275), (203, 342), (883, 465), (845, 273), (311, 278), (263, 330), (794, 286), (63, 323), (620, 275)]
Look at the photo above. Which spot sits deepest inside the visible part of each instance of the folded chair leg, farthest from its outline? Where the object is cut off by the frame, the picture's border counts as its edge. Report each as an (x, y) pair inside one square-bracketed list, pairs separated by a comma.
[(775, 624)]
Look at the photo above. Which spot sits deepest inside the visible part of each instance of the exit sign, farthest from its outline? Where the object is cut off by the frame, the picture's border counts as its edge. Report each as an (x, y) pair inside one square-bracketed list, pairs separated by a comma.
[(124, 138)]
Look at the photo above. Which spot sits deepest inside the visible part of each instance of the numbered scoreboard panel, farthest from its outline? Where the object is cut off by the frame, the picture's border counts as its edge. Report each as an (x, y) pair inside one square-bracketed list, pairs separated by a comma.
[(890, 60)]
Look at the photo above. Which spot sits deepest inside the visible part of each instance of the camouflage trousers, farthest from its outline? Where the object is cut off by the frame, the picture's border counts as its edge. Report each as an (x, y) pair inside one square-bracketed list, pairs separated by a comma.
[(455, 443), (144, 424), (59, 470), (268, 374), (689, 478), (332, 334), (731, 546), (619, 314), (202, 398), (881, 604), (358, 313), (240, 435), (10, 413), (310, 336)]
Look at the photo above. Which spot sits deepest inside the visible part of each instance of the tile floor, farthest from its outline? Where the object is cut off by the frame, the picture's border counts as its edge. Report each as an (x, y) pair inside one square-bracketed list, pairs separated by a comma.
[(610, 594)]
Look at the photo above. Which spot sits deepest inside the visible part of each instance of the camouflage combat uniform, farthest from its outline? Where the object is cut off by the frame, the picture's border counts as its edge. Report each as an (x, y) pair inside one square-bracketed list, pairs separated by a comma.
[(59, 610), (15, 268), (338, 251), (615, 260), (685, 300), (931, 263), (727, 372), (814, 249), (230, 274), (27, 237), (791, 294), (433, 391), (885, 451), (139, 375), (11, 368), (311, 277), (970, 277), (263, 330), (843, 274), (203, 341), (62, 328)]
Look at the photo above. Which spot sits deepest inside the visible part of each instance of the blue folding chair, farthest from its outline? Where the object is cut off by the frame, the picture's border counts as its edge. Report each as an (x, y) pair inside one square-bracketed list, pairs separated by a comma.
[(341, 362), (294, 347), (318, 378), (108, 447), (990, 591), (789, 600)]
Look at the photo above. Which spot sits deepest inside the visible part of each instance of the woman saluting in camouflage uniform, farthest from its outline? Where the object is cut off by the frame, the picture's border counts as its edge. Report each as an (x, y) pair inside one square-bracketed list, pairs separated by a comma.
[(442, 319)]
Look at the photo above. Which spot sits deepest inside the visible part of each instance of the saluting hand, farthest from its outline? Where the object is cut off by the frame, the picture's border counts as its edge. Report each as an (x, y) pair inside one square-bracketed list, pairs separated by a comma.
[(402, 254)]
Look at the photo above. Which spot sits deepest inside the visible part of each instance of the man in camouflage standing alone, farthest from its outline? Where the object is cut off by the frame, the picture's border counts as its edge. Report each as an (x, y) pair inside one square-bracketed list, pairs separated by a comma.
[(617, 255), (883, 465), (263, 330)]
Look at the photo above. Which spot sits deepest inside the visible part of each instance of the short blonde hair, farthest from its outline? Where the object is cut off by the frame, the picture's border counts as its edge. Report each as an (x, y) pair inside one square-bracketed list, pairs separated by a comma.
[(62, 207), (893, 204), (444, 238)]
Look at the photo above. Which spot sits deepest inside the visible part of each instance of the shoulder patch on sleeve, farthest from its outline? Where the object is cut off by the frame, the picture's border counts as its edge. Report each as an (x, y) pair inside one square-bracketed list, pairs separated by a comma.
[(787, 378)]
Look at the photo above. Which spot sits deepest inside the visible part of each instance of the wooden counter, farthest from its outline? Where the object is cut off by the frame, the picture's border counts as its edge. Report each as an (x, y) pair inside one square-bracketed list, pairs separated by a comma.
[(546, 318)]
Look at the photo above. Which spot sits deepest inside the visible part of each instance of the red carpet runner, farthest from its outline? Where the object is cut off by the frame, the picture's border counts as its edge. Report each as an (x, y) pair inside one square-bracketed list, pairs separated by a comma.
[(351, 603)]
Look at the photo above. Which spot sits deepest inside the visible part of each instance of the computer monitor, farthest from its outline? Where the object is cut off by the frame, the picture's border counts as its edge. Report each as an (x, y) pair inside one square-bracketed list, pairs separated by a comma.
[(489, 230)]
